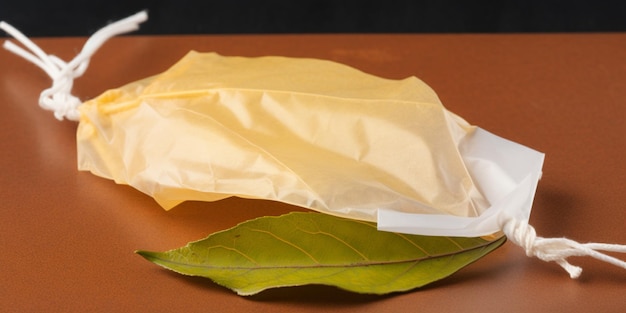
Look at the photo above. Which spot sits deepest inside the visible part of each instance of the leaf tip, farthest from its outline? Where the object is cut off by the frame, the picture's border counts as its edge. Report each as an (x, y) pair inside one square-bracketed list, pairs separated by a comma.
[(148, 255)]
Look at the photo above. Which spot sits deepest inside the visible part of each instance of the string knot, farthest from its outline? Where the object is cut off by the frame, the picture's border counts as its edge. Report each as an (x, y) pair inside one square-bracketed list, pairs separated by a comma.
[(58, 98), (558, 249)]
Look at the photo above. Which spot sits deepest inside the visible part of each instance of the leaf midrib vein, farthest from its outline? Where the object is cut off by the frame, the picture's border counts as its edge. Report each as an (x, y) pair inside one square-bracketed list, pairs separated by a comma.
[(319, 265)]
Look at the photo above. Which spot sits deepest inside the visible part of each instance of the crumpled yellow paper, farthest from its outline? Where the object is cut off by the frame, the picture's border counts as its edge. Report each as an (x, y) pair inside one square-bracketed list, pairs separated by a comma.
[(307, 132)]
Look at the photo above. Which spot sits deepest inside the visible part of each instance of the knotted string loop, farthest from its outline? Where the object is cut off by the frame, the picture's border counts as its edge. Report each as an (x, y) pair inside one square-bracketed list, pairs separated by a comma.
[(58, 98), (558, 249)]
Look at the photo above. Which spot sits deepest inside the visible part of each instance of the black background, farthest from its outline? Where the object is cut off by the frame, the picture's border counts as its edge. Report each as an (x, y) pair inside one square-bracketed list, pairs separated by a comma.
[(81, 18)]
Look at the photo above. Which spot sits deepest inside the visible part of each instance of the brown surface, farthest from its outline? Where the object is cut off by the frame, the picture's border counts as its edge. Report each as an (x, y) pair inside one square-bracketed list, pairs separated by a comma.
[(67, 237)]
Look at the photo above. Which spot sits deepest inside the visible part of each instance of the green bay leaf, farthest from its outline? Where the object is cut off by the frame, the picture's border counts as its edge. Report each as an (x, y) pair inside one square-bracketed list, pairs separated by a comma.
[(312, 248)]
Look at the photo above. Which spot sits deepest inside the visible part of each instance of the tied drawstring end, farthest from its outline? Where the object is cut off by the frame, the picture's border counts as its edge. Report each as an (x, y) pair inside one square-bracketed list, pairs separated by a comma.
[(559, 249), (58, 98)]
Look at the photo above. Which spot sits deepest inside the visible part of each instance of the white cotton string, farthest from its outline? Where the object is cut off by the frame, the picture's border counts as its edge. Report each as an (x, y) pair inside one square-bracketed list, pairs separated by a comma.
[(59, 98), (558, 249)]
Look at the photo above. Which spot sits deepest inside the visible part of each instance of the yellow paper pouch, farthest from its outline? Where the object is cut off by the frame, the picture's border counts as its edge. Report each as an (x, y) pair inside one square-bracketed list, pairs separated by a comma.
[(311, 133)]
